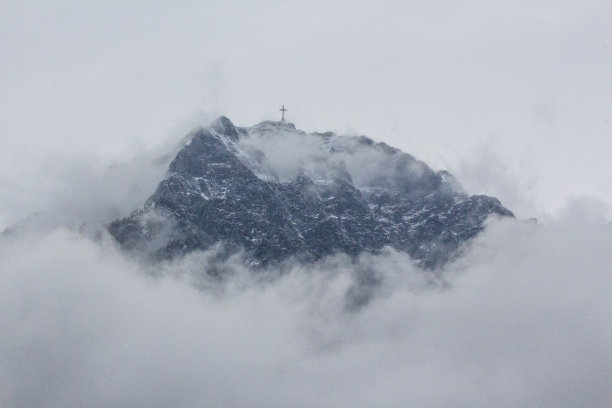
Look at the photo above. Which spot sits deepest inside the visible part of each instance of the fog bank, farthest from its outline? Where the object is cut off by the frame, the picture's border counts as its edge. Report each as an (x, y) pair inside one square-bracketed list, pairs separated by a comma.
[(521, 320)]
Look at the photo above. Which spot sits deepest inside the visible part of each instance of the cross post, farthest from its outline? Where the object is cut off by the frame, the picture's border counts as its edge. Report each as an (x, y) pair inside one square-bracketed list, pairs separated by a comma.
[(283, 110)]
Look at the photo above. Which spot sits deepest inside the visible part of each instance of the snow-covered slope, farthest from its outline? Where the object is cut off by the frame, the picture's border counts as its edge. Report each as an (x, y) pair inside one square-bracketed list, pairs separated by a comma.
[(277, 192)]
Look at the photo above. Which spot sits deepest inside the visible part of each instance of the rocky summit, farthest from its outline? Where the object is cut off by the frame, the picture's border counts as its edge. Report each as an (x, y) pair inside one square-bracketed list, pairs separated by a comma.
[(277, 193)]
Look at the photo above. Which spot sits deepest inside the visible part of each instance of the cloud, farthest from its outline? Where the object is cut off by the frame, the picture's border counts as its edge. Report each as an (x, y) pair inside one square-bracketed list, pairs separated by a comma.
[(84, 189), (287, 153), (521, 320)]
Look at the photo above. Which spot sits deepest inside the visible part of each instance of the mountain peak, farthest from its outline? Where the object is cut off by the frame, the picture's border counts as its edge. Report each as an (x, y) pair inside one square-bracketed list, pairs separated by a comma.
[(274, 125), (225, 127), (276, 192)]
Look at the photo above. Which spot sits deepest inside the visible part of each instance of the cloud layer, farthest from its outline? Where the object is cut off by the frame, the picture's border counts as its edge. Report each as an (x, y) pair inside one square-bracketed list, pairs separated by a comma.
[(519, 90), (521, 320)]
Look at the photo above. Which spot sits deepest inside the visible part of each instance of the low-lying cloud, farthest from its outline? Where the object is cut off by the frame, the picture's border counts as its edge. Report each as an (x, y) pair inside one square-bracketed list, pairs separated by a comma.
[(521, 320)]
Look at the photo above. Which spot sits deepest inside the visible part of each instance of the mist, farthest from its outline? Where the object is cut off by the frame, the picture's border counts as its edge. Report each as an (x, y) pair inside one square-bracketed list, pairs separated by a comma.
[(287, 153), (520, 320), (512, 97), (528, 81)]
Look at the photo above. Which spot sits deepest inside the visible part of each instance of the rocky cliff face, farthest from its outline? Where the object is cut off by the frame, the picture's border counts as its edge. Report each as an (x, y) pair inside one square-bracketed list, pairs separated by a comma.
[(277, 192)]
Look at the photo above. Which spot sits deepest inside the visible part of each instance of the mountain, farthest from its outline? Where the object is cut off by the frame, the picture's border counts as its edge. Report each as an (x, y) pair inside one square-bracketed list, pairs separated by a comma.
[(277, 193)]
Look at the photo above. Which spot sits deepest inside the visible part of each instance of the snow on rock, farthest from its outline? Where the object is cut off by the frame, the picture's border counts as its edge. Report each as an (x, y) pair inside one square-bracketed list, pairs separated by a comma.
[(277, 192)]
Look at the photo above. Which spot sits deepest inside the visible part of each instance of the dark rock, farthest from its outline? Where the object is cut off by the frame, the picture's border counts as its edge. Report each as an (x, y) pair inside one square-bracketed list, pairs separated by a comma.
[(220, 188)]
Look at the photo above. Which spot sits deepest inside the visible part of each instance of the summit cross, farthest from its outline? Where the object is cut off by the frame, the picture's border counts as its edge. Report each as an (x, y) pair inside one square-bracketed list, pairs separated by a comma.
[(283, 110)]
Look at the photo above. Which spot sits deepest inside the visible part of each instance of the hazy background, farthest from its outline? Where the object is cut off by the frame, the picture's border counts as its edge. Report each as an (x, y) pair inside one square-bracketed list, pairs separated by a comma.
[(513, 97)]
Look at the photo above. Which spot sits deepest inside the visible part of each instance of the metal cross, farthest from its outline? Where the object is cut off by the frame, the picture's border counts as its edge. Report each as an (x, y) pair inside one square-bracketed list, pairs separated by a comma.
[(283, 110)]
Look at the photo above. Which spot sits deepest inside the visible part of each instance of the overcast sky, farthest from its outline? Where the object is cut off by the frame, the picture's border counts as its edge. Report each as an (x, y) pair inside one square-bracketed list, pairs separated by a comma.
[(514, 97)]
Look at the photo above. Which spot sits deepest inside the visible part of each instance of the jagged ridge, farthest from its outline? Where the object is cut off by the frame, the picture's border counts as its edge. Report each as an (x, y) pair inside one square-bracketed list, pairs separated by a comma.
[(323, 193)]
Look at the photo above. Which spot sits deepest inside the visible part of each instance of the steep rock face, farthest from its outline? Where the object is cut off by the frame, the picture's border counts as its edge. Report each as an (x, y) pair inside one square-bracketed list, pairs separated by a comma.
[(277, 192)]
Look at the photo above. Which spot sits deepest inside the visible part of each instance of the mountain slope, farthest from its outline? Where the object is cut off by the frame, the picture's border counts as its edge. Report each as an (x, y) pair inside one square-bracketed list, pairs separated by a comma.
[(277, 192)]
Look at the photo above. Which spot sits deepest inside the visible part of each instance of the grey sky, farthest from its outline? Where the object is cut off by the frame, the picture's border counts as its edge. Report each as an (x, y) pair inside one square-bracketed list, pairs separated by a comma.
[(514, 97)]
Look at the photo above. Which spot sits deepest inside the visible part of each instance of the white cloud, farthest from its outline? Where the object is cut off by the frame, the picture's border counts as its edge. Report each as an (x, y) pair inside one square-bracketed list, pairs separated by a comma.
[(520, 321)]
